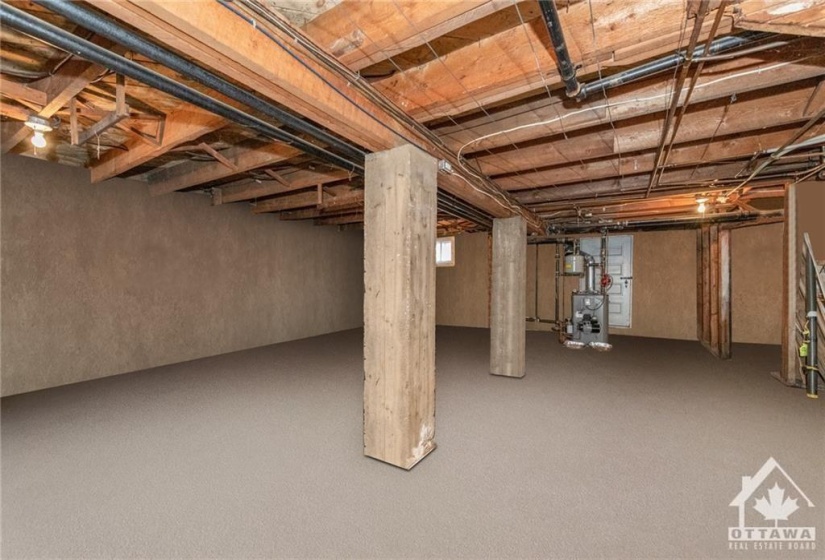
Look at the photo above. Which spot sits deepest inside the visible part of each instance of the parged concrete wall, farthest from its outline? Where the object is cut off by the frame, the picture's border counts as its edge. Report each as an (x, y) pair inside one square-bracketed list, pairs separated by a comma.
[(104, 279)]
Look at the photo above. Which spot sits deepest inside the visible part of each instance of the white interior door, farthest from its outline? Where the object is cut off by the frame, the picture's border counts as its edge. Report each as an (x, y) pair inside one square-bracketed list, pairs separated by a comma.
[(620, 267)]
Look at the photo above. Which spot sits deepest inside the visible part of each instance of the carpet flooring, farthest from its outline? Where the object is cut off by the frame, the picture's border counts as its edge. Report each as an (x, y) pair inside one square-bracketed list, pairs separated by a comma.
[(635, 453)]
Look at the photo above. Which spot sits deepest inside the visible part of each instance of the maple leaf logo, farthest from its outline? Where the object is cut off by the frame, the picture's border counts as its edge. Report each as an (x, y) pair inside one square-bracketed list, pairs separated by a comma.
[(775, 507)]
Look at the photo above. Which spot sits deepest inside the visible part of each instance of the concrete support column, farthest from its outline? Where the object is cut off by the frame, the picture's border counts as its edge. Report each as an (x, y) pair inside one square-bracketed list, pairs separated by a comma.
[(509, 292), (399, 305)]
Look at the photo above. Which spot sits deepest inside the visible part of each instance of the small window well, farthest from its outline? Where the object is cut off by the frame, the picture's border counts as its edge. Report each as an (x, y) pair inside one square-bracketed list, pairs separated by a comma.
[(444, 251)]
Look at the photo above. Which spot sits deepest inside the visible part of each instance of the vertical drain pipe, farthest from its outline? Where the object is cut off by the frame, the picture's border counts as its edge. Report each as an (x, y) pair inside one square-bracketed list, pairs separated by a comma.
[(566, 68), (811, 371)]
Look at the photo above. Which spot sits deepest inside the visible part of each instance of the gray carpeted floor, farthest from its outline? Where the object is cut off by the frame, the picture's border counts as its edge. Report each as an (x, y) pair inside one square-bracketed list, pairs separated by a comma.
[(636, 453)]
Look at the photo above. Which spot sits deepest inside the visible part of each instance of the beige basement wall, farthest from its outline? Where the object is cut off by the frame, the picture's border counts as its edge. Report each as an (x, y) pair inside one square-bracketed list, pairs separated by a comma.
[(664, 284), (103, 279)]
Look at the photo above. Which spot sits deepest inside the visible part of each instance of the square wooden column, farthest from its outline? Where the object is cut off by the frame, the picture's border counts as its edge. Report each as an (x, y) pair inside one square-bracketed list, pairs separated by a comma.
[(509, 292), (399, 305), (713, 292)]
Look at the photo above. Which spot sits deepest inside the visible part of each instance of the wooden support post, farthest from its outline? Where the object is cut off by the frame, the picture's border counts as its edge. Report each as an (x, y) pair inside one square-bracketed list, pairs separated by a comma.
[(790, 372), (714, 290), (399, 305), (509, 292)]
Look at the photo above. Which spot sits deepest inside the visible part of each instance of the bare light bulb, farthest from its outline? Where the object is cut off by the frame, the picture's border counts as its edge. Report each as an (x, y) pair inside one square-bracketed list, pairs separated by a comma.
[(38, 140), (702, 207)]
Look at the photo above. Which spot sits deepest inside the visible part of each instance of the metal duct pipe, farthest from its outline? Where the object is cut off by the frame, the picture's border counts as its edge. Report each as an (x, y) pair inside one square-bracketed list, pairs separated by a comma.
[(567, 70), (105, 27), (590, 278), (668, 63), (811, 371), (62, 39)]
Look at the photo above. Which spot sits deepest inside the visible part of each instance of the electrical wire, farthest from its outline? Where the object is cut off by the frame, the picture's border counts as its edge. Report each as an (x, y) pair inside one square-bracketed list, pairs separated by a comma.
[(626, 102)]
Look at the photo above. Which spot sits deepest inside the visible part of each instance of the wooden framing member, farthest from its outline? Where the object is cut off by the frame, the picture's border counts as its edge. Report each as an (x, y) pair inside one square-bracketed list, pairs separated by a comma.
[(294, 78), (399, 306), (60, 88), (237, 160), (713, 292), (790, 373), (22, 92), (509, 291), (110, 119)]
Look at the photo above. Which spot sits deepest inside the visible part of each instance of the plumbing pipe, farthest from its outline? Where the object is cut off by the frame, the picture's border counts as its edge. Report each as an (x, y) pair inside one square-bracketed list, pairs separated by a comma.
[(668, 63), (567, 70), (62, 39), (105, 27)]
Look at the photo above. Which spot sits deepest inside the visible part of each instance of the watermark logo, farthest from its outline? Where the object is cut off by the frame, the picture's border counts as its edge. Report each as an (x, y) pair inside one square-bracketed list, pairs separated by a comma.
[(766, 504)]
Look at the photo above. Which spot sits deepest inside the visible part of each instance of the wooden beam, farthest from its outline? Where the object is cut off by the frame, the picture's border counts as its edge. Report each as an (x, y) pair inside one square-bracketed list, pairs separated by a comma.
[(13, 111), (18, 91), (322, 211), (712, 120), (790, 372), (213, 36), (683, 155), (108, 120), (184, 124), (629, 185), (355, 218), (548, 116), (518, 60), (508, 289), (791, 18), (294, 182), (301, 200), (361, 34), (399, 306), (714, 290), (71, 79), (190, 174)]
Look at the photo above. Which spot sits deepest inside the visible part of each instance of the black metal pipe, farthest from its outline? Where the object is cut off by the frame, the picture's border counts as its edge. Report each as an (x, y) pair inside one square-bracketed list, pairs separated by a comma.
[(59, 38), (668, 63), (567, 70), (648, 224), (105, 27), (811, 371), (62, 39), (461, 209)]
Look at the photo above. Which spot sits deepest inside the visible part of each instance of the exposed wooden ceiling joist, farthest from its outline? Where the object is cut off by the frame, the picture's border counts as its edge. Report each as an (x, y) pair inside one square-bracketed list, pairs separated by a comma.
[(518, 60), (716, 119), (794, 17), (362, 33), (210, 33)]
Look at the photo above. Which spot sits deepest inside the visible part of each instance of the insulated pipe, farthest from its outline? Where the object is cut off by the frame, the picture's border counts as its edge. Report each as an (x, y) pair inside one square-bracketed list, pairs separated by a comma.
[(567, 70), (811, 371), (105, 27), (668, 63), (62, 39)]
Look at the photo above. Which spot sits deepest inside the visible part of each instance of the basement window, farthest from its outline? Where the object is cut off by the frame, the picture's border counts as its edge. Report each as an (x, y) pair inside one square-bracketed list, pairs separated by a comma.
[(444, 251)]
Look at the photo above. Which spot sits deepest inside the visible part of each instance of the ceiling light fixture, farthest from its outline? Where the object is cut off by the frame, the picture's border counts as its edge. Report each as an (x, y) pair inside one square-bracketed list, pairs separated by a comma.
[(702, 202), (40, 126)]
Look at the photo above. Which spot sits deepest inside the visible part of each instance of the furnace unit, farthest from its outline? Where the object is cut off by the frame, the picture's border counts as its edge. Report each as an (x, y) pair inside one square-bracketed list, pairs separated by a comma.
[(587, 325)]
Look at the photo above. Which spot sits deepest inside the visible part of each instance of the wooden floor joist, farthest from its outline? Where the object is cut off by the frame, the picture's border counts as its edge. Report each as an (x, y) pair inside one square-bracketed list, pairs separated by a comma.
[(214, 37)]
